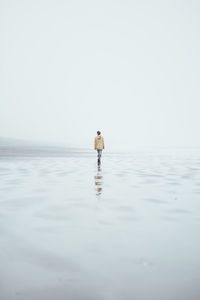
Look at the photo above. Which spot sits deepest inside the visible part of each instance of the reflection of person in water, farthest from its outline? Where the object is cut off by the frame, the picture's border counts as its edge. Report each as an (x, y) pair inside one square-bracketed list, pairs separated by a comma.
[(98, 181), (99, 145)]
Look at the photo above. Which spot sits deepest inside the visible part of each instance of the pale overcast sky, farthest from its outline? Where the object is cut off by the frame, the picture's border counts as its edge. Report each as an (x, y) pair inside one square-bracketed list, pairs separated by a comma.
[(128, 68)]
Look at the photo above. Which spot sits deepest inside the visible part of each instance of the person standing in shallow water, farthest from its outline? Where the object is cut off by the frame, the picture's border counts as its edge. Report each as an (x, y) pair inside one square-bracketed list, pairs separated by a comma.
[(99, 146)]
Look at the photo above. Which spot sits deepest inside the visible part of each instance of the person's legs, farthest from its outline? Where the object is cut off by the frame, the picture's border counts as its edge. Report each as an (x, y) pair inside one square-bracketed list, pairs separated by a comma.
[(99, 156)]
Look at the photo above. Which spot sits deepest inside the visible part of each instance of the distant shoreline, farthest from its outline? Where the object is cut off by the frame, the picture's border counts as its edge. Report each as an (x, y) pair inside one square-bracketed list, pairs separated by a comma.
[(17, 148)]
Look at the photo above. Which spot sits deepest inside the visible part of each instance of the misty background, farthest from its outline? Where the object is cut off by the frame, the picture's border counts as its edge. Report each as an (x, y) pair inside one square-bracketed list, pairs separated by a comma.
[(128, 68)]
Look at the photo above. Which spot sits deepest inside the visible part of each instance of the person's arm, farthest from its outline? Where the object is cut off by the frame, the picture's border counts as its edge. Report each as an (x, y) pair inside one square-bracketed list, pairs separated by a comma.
[(95, 147), (103, 142)]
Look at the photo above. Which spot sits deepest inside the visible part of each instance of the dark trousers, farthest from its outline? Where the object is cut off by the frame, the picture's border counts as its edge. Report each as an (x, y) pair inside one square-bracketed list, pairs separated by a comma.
[(99, 153)]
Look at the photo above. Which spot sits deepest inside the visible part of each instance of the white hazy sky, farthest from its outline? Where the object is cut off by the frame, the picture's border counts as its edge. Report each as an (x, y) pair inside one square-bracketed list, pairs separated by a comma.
[(128, 68)]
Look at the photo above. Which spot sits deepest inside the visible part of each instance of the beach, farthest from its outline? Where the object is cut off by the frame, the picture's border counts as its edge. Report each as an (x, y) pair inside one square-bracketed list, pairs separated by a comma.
[(128, 229)]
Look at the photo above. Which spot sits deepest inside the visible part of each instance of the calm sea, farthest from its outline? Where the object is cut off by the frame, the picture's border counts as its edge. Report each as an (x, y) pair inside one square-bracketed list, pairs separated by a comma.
[(126, 230)]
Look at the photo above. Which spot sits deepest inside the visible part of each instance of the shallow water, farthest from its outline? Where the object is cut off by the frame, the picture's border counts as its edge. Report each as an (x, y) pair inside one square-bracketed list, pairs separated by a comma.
[(128, 229)]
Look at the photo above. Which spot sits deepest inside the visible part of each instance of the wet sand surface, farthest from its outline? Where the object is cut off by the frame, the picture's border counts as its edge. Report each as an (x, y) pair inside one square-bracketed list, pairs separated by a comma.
[(126, 230)]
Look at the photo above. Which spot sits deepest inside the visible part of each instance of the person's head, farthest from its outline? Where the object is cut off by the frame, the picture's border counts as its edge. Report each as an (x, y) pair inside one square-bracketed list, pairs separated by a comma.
[(98, 132)]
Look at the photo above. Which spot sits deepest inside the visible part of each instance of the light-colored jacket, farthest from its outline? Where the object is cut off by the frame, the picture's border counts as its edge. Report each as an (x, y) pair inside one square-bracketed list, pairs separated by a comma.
[(99, 142)]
